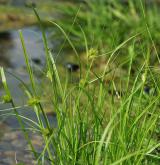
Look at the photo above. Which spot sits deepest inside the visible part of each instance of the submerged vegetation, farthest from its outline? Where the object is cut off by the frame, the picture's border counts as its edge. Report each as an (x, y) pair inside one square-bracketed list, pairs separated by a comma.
[(110, 115)]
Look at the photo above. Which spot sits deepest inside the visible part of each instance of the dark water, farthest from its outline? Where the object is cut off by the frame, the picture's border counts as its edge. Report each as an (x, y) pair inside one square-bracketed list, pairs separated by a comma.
[(12, 141), (11, 54), (12, 58), (13, 146)]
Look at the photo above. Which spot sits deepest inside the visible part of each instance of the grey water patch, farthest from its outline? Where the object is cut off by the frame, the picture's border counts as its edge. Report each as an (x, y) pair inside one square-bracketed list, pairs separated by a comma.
[(11, 53)]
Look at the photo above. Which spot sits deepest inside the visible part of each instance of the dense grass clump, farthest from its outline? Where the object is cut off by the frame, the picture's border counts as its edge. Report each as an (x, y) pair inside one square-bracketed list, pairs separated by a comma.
[(111, 114)]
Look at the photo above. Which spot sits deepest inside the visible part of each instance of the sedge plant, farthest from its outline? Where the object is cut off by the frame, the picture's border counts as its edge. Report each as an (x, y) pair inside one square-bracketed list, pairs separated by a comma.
[(101, 119)]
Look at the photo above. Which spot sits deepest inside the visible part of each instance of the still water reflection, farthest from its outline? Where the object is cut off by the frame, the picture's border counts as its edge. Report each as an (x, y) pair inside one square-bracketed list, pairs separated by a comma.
[(11, 58), (11, 54)]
